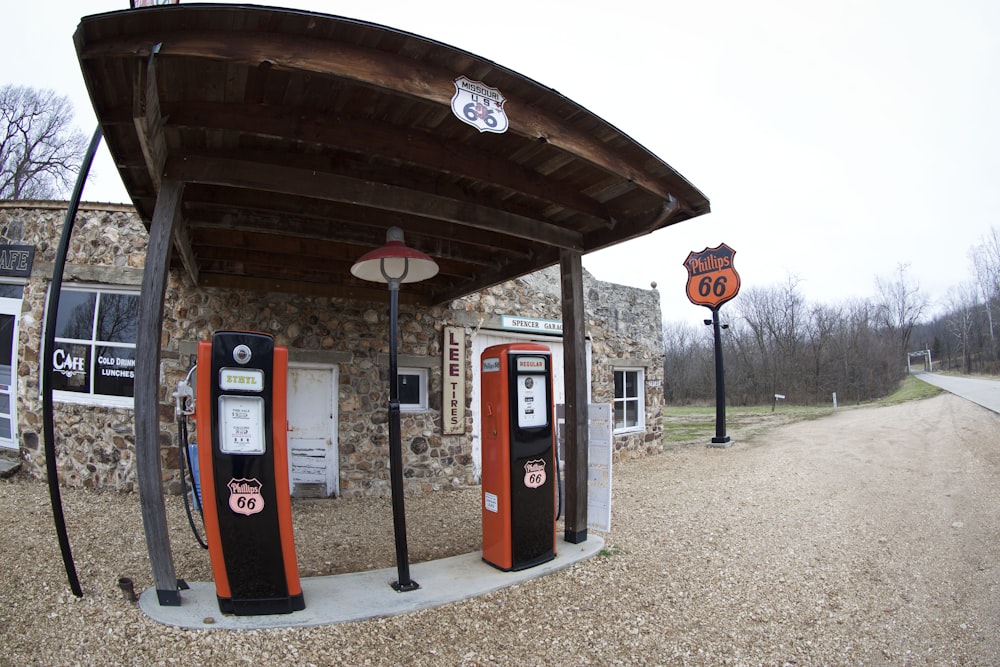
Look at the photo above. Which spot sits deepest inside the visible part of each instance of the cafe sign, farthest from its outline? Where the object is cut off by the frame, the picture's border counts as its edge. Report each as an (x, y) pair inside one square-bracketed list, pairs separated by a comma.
[(16, 260)]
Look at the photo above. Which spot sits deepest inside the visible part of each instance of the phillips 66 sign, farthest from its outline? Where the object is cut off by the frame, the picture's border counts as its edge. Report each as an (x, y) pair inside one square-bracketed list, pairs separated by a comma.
[(712, 280)]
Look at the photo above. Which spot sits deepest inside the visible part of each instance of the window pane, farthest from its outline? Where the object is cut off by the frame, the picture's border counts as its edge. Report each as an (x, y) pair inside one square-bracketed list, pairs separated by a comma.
[(619, 414), (6, 343), (5, 432), (631, 384), (71, 367), (4, 403), (115, 371), (118, 317), (409, 389), (11, 291), (619, 389), (632, 413), (75, 318)]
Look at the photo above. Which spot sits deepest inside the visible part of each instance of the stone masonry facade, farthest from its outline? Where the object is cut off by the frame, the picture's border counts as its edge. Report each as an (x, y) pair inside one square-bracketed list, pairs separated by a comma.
[(96, 445)]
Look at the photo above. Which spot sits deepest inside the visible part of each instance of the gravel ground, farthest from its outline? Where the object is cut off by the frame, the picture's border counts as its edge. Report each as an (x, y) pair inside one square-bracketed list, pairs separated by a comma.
[(870, 537)]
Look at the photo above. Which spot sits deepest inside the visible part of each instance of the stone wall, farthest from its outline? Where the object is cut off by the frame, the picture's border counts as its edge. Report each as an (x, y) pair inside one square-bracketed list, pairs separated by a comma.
[(96, 445)]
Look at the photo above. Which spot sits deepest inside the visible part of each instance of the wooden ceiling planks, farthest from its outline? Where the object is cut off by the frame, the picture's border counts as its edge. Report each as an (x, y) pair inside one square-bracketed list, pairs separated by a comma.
[(297, 129)]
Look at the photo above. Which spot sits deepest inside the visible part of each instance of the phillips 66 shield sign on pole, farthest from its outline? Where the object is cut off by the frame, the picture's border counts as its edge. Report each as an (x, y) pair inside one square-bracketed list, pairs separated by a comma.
[(712, 280)]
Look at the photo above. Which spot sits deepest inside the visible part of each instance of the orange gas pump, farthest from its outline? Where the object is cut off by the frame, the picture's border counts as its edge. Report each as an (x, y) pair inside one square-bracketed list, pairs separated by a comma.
[(519, 461), (243, 461)]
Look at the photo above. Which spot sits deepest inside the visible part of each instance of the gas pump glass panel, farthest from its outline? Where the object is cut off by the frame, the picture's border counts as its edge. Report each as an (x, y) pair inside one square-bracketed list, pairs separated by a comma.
[(532, 393), (241, 424)]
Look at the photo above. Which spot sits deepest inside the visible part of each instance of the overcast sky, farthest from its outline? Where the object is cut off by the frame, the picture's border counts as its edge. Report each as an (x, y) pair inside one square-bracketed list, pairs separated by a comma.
[(835, 140)]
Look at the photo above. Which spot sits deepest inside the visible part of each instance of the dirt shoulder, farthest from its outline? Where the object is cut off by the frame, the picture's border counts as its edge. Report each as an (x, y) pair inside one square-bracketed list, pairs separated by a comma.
[(871, 536)]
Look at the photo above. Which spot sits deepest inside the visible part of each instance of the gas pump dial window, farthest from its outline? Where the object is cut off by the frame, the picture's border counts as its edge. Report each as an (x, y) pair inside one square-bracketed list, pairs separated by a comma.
[(532, 400), (241, 424)]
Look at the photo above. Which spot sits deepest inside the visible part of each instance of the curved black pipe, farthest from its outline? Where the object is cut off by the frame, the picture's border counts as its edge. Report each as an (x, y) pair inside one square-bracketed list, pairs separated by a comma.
[(46, 366)]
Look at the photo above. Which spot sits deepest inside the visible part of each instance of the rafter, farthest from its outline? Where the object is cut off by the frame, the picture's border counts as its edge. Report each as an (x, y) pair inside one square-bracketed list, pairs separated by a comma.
[(302, 182)]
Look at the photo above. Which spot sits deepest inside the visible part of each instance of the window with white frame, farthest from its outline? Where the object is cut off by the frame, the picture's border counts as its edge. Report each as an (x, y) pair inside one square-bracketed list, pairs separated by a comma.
[(93, 360), (412, 389), (629, 400)]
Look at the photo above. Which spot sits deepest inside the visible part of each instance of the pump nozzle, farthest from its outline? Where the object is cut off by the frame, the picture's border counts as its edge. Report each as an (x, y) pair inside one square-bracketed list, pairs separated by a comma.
[(183, 398)]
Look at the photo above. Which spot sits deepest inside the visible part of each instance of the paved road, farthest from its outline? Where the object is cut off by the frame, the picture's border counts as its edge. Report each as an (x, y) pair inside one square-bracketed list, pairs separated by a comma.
[(983, 392)]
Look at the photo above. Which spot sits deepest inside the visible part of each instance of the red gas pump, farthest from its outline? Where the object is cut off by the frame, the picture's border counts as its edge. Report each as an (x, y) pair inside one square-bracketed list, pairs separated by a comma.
[(243, 457), (519, 461)]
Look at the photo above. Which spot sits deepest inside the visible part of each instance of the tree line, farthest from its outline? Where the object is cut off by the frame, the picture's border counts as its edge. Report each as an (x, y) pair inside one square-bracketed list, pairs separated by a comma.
[(778, 343), (963, 337)]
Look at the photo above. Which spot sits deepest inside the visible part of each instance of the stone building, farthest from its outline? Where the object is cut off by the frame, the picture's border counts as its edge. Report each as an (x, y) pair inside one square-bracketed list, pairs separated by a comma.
[(338, 352)]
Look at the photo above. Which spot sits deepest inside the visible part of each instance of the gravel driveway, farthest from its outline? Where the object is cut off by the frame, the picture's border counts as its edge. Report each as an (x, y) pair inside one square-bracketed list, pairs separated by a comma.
[(868, 537)]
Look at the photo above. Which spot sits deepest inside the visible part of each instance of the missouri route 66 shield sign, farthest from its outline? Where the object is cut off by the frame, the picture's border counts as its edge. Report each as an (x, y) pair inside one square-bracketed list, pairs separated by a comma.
[(479, 105), (712, 280)]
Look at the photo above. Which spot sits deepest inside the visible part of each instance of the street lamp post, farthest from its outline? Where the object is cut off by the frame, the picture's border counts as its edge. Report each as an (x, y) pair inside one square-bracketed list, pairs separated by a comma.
[(720, 439), (395, 263)]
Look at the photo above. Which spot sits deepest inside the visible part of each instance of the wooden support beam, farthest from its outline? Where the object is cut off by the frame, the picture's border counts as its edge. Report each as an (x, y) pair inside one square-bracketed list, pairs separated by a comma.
[(575, 379), (147, 116), (147, 391), (359, 192)]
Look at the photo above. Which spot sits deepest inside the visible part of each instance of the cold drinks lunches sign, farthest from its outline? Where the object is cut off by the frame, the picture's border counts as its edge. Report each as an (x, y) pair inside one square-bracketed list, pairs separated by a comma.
[(712, 279), (453, 381)]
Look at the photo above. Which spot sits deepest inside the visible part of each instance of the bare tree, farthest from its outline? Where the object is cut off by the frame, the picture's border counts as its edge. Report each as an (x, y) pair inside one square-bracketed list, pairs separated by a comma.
[(900, 305), (963, 303), (775, 317), (40, 150), (986, 271), (688, 361)]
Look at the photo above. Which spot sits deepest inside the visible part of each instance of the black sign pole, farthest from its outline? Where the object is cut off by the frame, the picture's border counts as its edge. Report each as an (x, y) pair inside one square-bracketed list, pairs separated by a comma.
[(720, 384), (50, 332)]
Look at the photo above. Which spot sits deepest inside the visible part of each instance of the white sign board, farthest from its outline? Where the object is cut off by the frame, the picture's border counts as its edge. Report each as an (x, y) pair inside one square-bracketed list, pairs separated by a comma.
[(600, 451)]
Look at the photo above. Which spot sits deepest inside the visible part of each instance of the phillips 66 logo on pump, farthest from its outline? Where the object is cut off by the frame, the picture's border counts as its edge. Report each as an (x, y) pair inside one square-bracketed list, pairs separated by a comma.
[(712, 279)]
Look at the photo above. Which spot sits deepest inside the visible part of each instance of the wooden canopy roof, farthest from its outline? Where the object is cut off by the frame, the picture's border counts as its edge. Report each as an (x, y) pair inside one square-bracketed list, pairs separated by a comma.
[(300, 138)]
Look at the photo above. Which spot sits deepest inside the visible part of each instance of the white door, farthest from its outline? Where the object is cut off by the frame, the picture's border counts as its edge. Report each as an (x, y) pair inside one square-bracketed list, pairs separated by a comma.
[(10, 310), (487, 339), (313, 456)]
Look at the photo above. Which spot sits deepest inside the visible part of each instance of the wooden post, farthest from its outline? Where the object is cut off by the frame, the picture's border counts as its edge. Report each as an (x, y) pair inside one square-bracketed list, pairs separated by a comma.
[(575, 378), (147, 391)]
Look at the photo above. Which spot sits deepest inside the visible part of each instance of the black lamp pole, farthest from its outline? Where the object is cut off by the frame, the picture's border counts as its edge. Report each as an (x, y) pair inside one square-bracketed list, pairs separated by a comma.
[(720, 384), (394, 264), (403, 583)]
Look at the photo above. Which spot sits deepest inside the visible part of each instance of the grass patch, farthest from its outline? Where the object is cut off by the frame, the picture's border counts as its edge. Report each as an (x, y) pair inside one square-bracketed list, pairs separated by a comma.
[(693, 424), (610, 550), (910, 389), (697, 423)]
